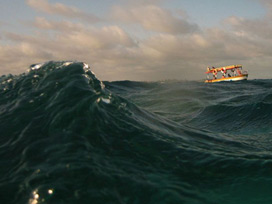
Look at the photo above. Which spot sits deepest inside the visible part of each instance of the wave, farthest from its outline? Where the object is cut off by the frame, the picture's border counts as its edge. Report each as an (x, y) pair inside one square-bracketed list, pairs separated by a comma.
[(67, 137)]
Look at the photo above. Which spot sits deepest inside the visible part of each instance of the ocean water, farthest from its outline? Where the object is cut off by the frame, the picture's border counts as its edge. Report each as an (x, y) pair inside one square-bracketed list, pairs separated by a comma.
[(66, 137)]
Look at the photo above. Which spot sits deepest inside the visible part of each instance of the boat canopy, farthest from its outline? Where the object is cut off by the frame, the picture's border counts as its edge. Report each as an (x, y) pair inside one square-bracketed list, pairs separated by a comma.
[(218, 69)]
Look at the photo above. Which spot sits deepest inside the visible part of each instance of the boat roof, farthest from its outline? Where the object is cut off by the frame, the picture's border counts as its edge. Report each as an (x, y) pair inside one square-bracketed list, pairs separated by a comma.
[(218, 69)]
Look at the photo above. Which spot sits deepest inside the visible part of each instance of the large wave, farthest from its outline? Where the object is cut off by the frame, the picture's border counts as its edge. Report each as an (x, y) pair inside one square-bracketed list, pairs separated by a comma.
[(68, 138)]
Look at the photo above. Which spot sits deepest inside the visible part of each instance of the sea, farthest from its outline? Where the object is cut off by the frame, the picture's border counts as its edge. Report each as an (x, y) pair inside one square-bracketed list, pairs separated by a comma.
[(67, 137)]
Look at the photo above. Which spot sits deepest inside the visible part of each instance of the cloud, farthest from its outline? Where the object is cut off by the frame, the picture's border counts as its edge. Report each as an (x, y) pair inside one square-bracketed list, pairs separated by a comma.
[(258, 28), (63, 10), (62, 26), (116, 55), (267, 5), (107, 47), (153, 18), (170, 47), (106, 36)]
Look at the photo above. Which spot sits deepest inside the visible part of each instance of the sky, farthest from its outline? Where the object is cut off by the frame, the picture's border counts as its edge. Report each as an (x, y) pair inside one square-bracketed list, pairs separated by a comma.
[(142, 40)]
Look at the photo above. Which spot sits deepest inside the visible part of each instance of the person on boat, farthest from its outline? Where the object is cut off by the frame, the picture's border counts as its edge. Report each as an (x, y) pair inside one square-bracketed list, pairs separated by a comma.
[(214, 74), (239, 72), (224, 72), (234, 72)]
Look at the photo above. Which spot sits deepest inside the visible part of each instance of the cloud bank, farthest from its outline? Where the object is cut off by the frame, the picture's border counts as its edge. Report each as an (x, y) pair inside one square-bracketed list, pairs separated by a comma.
[(168, 47)]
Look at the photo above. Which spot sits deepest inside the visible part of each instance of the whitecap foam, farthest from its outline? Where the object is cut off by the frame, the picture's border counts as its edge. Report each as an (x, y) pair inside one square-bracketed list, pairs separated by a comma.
[(35, 66), (104, 100)]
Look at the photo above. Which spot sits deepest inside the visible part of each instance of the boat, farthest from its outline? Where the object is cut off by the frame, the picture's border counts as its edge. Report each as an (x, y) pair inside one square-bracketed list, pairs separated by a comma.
[(227, 73)]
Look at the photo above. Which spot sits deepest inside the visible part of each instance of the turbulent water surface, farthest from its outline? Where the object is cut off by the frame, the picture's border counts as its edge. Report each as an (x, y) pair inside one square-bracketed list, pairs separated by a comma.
[(66, 137)]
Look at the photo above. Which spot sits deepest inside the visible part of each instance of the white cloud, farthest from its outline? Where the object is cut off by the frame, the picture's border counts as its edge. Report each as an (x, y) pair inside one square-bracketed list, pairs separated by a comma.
[(107, 46), (257, 29), (153, 18), (61, 9), (261, 28)]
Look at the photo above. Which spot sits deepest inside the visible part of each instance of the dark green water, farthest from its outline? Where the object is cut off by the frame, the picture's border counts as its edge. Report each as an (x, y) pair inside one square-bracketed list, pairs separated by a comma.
[(66, 137)]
